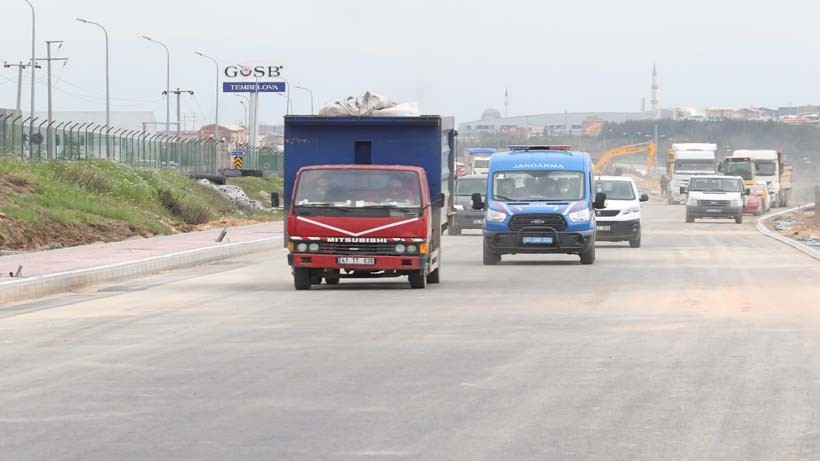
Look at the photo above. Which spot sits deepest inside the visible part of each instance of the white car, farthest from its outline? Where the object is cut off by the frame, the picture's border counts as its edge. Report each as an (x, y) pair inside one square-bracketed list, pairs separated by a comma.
[(620, 220)]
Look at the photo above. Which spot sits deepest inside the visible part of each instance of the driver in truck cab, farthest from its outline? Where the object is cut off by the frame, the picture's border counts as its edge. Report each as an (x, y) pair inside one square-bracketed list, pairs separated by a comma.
[(398, 192)]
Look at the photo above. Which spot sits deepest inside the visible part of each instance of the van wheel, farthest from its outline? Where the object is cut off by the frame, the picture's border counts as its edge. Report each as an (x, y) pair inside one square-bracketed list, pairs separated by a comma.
[(739, 219), (418, 280), (491, 258), (689, 218), (588, 257), (453, 230), (301, 278), (635, 243)]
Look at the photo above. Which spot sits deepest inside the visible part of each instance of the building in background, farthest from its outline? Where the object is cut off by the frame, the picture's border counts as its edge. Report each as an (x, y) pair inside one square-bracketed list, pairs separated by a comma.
[(232, 134), (719, 113)]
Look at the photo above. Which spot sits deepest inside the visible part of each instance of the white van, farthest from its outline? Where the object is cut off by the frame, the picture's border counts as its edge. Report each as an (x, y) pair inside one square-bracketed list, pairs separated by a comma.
[(620, 220), (716, 197)]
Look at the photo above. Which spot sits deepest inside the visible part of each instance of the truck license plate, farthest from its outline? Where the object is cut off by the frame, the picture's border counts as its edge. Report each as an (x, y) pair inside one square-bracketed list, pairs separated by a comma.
[(713, 210), (356, 261), (537, 240), (478, 221), (604, 228)]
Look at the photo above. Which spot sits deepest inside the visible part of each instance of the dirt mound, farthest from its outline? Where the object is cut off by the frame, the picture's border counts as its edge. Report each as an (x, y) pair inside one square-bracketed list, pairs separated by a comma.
[(49, 234)]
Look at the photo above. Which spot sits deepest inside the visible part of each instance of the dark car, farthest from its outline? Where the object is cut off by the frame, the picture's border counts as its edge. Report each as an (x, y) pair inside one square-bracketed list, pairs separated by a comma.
[(466, 217)]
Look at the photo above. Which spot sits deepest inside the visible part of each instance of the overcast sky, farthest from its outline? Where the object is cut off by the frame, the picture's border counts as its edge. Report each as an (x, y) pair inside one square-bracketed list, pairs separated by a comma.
[(454, 57)]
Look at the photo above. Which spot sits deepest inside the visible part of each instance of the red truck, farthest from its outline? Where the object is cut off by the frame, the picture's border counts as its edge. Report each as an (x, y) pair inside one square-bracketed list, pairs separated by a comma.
[(367, 197)]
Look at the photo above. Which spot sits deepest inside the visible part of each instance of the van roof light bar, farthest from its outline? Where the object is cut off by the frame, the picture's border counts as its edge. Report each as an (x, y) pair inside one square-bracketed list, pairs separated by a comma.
[(526, 148)]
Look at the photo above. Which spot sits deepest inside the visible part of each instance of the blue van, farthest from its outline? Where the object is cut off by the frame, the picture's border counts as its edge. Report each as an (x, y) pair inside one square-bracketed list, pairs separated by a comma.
[(540, 199)]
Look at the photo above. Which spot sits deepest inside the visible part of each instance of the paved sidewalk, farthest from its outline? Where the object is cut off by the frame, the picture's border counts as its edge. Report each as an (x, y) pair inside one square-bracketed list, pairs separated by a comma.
[(67, 268)]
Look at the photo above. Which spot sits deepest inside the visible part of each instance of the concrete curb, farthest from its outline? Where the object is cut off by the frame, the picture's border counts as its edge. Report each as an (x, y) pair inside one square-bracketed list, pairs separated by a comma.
[(761, 227), (44, 285)]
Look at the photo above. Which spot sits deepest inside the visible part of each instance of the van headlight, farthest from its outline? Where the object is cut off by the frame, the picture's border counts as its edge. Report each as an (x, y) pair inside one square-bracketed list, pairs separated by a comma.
[(737, 202), (634, 209), (691, 201), (495, 216), (459, 207), (580, 216)]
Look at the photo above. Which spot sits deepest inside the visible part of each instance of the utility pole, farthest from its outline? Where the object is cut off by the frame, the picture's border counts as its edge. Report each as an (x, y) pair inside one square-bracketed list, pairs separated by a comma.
[(48, 59), (20, 67), (178, 93)]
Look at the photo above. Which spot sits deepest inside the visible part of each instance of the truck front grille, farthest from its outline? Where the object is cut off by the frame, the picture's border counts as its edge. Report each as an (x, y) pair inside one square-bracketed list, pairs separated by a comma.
[(554, 221), (357, 248)]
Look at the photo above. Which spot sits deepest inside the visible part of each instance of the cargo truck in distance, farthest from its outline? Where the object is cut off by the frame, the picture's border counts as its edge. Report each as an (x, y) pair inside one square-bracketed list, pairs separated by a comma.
[(762, 165), (480, 159), (367, 197), (685, 161)]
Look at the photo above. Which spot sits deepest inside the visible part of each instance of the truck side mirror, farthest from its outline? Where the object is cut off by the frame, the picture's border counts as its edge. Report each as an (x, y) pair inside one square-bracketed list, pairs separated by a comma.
[(274, 199), (600, 201), (478, 204), (644, 198), (440, 199), (720, 168)]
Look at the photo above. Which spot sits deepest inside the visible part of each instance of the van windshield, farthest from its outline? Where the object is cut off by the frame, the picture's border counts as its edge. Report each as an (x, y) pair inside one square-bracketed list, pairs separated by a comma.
[(469, 187), (615, 190), (523, 186), (715, 185), (358, 188)]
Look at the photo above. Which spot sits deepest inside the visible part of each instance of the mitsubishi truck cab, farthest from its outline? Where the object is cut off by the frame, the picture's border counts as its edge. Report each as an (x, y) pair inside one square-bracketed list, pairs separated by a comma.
[(539, 200), (716, 197), (620, 220)]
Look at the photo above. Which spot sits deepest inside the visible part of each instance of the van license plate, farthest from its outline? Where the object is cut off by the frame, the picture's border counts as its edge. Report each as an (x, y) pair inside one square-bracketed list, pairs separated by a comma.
[(478, 221), (537, 240), (713, 210), (356, 261), (604, 228)]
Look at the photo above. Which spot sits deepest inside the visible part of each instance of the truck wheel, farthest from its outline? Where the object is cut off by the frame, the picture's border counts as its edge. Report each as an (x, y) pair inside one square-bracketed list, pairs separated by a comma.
[(491, 258), (635, 243), (315, 279), (588, 257), (739, 219), (418, 280), (453, 230), (689, 218), (433, 277), (332, 280), (301, 278)]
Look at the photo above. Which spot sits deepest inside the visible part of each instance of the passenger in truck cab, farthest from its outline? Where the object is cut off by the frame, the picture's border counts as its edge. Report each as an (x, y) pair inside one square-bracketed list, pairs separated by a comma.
[(398, 191)]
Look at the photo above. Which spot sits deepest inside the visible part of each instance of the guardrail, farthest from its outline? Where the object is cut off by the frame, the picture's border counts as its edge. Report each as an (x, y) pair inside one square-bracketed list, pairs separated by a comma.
[(38, 141)]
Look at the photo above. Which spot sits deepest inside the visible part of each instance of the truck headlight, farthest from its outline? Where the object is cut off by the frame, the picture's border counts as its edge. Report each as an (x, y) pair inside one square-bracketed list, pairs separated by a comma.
[(495, 216), (400, 248), (459, 207), (580, 216), (301, 248), (412, 248), (313, 247)]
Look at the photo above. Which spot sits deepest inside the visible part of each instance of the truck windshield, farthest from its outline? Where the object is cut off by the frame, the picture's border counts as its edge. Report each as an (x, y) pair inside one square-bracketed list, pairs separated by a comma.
[(715, 185), (615, 190), (695, 165), (358, 188), (523, 186), (765, 167), (481, 163), (740, 168), (469, 187)]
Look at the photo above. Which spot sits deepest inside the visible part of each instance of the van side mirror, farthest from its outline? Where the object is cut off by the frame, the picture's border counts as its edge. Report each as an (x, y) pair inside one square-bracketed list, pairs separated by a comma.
[(600, 201), (274, 199), (644, 198), (683, 190), (720, 168), (440, 199), (748, 192), (478, 204)]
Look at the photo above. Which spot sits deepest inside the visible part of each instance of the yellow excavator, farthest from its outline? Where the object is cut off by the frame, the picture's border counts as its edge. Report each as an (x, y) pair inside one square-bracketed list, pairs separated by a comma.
[(649, 147)]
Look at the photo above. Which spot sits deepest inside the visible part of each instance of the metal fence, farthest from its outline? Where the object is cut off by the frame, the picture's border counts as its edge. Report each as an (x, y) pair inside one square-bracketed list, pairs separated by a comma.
[(38, 141)]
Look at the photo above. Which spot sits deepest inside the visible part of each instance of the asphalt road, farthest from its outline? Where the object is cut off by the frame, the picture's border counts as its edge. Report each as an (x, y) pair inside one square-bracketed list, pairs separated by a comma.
[(703, 344)]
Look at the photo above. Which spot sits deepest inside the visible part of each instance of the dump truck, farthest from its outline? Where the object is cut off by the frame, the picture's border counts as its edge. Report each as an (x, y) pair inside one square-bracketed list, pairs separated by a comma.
[(765, 165), (367, 197)]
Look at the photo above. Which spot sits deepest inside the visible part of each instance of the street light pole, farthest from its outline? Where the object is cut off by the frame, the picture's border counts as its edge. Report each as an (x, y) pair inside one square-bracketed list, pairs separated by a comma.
[(167, 84), (216, 127), (107, 92), (311, 97), (33, 59)]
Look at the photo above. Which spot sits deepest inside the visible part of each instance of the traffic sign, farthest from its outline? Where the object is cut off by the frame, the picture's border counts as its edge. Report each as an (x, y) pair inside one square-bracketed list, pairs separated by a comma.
[(253, 87), (238, 153), (237, 163)]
